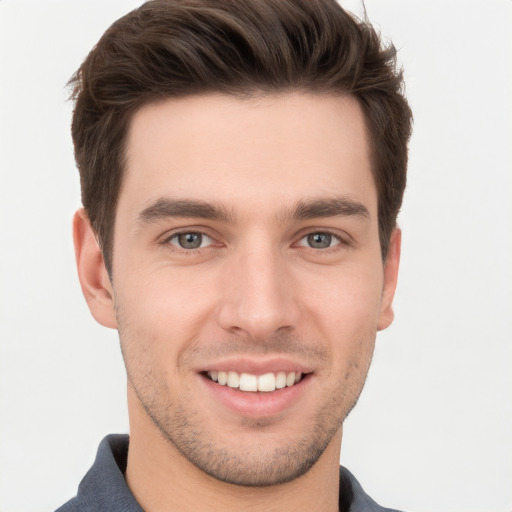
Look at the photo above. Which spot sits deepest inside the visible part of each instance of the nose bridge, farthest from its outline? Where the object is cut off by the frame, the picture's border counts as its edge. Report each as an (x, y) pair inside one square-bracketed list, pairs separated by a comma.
[(258, 298)]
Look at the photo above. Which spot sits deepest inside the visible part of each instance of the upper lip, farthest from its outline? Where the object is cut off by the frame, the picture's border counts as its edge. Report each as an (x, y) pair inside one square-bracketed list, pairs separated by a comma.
[(256, 366)]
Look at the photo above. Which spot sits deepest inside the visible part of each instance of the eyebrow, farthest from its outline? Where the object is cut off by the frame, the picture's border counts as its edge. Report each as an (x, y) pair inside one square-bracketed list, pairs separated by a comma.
[(330, 207), (168, 207), (306, 209)]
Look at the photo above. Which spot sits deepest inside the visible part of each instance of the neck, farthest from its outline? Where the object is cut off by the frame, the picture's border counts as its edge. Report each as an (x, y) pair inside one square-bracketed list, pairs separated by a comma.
[(162, 479)]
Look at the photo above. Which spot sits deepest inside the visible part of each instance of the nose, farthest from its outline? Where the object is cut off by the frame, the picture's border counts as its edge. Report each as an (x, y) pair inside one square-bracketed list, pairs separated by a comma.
[(258, 296)]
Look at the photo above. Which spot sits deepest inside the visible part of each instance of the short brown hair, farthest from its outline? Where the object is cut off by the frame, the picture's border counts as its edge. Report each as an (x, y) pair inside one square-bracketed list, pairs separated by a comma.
[(177, 48)]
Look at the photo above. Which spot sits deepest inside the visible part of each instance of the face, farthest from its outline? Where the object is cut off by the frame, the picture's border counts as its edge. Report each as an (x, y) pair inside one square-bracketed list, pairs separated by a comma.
[(248, 283)]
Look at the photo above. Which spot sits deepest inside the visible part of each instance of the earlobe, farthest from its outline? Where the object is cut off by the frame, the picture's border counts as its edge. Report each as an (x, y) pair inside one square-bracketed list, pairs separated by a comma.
[(94, 279), (391, 265)]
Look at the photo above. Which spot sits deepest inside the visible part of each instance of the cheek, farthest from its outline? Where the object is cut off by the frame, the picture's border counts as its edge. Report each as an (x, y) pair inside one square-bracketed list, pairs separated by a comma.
[(347, 301), (162, 310), (345, 312)]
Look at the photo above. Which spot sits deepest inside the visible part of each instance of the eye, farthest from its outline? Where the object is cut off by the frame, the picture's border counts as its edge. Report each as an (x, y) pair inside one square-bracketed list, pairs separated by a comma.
[(190, 240), (319, 240)]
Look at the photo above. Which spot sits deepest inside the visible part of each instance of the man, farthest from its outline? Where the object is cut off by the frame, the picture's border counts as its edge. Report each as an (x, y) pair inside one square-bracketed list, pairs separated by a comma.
[(242, 165)]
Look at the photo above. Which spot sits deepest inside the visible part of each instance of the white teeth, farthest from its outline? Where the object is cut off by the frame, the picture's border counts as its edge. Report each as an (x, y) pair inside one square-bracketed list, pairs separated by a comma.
[(233, 380), (248, 382), (280, 380), (267, 382)]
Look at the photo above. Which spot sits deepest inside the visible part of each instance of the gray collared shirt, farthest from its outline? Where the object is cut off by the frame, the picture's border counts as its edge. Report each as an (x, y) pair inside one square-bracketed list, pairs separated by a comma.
[(104, 489)]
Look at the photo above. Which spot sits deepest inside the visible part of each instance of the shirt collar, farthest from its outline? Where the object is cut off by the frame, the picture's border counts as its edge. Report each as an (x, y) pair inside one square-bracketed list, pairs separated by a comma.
[(104, 487)]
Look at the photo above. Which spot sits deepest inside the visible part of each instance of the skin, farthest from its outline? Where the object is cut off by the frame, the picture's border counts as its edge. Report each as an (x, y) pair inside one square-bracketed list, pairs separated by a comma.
[(256, 289)]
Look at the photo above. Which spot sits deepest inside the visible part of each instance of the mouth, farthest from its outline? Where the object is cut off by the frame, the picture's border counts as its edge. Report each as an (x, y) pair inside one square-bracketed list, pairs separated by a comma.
[(257, 387), (251, 383)]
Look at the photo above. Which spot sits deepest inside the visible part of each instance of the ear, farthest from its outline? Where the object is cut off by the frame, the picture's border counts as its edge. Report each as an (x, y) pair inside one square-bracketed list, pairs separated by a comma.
[(391, 265), (94, 280)]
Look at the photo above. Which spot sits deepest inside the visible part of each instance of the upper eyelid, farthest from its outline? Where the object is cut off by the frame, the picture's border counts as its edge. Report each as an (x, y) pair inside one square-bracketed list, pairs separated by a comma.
[(165, 243), (322, 231), (340, 240), (200, 230), (187, 232), (175, 235), (342, 236)]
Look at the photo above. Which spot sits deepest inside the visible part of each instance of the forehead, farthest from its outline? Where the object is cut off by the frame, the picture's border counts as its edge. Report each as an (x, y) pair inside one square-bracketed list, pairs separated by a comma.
[(262, 152)]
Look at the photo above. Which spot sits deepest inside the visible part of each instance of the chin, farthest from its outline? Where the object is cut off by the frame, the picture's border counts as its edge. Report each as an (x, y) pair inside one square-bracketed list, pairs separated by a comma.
[(255, 457)]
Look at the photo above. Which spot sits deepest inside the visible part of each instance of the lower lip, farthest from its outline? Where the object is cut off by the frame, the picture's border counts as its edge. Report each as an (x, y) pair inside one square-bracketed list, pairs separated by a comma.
[(256, 404)]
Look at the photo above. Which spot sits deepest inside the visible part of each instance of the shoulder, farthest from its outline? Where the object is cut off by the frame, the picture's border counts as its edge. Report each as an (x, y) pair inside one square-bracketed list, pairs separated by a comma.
[(72, 506), (103, 488), (353, 498)]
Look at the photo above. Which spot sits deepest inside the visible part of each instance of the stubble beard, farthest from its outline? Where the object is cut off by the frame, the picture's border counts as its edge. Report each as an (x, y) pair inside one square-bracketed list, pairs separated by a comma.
[(255, 463)]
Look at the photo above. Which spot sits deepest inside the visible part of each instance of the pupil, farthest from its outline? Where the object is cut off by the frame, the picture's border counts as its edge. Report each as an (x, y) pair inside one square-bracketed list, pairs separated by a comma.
[(319, 240), (190, 240)]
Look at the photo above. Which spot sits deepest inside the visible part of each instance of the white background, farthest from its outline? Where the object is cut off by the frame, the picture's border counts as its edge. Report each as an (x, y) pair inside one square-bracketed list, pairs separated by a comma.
[(433, 429)]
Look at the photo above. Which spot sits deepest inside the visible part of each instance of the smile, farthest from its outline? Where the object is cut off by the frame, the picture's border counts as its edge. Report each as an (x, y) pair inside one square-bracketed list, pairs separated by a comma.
[(267, 382)]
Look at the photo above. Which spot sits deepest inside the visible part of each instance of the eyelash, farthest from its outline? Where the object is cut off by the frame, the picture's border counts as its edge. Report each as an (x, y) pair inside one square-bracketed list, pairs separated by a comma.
[(341, 242), (188, 252)]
